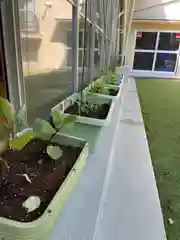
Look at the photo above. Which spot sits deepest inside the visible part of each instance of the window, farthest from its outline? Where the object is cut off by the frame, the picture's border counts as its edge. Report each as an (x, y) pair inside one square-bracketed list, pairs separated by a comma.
[(156, 51), (146, 40), (80, 49), (27, 15), (46, 76), (165, 62), (143, 61), (168, 41)]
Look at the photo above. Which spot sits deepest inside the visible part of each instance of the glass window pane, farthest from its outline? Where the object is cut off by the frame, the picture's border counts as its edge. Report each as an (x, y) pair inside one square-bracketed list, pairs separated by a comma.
[(81, 42), (69, 60), (146, 40), (168, 41), (165, 62), (47, 57), (84, 35), (69, 38), (143, 61)]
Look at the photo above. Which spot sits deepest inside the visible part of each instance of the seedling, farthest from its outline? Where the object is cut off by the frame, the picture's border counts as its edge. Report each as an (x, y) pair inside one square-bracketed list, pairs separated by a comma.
[(10, 124), (43, 129), (110, 78), (98, 87), (86, 106)]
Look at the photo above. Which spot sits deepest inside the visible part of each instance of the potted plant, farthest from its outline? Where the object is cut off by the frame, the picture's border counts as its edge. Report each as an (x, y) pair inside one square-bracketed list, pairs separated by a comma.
[(38, 169), (108, 91), (111, 79), (93, 112)]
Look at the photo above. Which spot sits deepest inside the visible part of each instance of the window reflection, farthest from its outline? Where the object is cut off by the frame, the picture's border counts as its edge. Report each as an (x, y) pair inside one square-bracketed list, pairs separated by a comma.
[(46, 37), (165, 62), (168, 41), (146, 40), (84, 36)]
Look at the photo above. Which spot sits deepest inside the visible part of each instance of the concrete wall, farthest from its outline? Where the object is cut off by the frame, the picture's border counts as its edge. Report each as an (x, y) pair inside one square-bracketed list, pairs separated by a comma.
[(166, 11), (46, 49), (131, 45)]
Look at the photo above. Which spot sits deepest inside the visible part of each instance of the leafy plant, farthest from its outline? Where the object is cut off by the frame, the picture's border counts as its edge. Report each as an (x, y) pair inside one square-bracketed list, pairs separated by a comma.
[(42, 129), (98, 87), (110, 78), (11, 123), (85, 105)]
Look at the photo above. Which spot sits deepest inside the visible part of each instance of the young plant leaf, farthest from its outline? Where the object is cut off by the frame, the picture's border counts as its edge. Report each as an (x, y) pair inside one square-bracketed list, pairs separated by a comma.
[(54, 152), (18, 142), (42, 127), (68, 120), (7, 112), (57, 117)]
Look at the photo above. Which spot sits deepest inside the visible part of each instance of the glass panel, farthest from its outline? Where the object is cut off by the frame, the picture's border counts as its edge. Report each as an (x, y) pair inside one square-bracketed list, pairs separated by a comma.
[(81, 42), (143, 61), (165, 62), (47, 58), (84, 35), (88, 8), (146, 40), (97, 50), (69, 41), (168, 41)]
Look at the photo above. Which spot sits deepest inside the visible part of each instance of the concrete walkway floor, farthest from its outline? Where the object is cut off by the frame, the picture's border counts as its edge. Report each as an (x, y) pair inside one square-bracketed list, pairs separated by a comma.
[(116, 196)]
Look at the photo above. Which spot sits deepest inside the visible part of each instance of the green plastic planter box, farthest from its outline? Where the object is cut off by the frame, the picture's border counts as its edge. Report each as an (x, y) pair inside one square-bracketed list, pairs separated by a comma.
[(38, 229), (87, 128)]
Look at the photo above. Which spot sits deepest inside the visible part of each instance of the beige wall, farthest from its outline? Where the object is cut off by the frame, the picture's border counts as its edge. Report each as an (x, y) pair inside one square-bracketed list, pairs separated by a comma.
[(46, 49), (166, 11), (131, 45), (140, 4)]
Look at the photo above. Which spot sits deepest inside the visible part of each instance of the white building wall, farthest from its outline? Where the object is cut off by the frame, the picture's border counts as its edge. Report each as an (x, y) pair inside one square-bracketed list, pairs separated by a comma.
[(141, 4), (166, 11)]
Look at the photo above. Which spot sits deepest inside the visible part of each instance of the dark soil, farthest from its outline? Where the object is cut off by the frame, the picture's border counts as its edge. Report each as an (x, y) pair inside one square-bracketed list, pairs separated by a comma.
[(100, 113), (46, 176), (113, 92)]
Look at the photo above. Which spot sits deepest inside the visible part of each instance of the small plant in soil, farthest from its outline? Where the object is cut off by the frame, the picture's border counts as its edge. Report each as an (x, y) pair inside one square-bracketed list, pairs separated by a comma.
[(25, 170), (110, 78), (42, 129), (86, 108), (10, 124), (98, 87)]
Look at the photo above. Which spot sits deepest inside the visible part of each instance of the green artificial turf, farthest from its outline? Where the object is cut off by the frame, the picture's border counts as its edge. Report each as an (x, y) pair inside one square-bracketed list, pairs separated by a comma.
[(160, 104)]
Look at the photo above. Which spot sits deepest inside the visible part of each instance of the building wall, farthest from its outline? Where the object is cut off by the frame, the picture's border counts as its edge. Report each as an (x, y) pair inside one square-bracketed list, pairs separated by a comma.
[(141, 4), (165, 11), (131, 46), (46, 49)]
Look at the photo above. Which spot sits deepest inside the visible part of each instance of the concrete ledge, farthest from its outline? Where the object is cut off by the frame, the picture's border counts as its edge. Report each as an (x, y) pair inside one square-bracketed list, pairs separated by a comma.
[(116, 196)]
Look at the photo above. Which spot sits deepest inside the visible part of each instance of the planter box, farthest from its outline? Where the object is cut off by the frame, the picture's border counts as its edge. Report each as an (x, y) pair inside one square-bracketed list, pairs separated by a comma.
[(87, 128), (107, 86), (38, 229)]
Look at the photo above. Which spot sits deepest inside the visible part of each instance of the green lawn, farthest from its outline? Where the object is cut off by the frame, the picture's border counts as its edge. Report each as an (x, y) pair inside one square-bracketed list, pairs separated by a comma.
[(160, 103)]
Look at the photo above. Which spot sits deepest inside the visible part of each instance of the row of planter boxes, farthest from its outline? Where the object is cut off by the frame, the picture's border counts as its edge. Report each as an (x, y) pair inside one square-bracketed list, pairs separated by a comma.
[(84, 132)]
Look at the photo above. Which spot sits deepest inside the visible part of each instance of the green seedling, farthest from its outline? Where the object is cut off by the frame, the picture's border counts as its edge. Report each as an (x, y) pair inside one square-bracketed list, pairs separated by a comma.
[(98, 87), (110, 78), (42, 129), (86, 105), (10, 124)]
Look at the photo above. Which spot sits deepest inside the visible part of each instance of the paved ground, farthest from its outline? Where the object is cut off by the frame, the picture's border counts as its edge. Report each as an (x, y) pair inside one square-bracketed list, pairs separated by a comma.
[(116, 196)]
